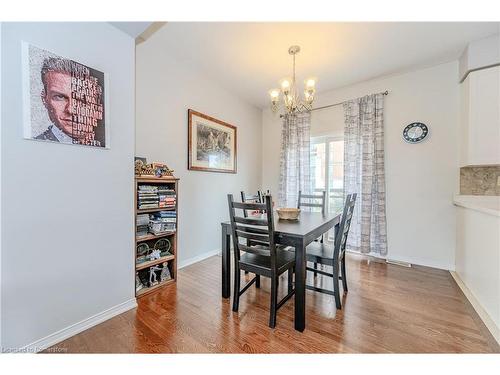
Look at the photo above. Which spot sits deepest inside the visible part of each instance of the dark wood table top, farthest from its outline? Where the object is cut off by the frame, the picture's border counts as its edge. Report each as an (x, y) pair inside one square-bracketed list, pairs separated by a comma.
[(307, 224)]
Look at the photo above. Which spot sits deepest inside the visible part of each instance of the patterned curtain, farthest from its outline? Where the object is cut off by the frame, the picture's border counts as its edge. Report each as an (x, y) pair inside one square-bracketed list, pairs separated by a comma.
[(295, 158), (364, 172)]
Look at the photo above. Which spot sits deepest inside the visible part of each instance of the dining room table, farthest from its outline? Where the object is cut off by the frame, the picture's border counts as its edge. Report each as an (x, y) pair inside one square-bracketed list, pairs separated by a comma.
[(295, 233)]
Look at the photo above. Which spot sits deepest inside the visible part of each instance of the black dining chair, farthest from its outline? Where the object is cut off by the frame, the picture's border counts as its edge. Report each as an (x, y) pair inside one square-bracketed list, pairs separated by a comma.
[(254, 198), (266, 259), (250, 198), (334, 256), (313, 200)]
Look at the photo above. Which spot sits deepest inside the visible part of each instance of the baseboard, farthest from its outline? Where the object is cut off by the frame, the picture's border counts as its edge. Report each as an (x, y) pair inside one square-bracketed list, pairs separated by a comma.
[(198, 258), (398, 263), (420, 262), (76, 328), (485, 317)]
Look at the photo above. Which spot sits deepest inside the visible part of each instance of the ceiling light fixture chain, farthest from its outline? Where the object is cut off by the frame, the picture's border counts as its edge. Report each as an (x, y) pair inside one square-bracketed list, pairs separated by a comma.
[(291, 101)]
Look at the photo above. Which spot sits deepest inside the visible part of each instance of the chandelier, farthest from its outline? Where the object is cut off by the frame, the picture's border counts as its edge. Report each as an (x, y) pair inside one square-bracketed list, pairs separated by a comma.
[(292, 103)]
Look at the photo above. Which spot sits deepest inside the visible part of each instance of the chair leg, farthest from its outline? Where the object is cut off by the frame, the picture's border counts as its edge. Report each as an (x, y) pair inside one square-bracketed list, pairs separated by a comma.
[(274, 301), (248, 243), (344, 277), (336, 287), (236, 296), (315, 267), (290, 280), (257, 281)]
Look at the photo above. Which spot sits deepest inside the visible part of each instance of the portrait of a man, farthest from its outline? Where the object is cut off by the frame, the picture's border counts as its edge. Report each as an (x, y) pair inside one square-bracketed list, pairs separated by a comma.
[(65, 100)]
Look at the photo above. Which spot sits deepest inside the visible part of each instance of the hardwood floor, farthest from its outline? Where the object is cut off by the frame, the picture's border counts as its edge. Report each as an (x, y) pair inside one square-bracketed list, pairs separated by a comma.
[(389, 309)]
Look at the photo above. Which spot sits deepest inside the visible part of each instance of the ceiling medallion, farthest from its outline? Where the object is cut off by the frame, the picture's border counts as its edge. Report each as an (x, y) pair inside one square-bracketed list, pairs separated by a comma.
[(292, 103)]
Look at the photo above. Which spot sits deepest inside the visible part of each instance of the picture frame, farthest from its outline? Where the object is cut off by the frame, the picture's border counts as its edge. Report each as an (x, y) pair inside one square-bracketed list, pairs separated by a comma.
[(212, 144)]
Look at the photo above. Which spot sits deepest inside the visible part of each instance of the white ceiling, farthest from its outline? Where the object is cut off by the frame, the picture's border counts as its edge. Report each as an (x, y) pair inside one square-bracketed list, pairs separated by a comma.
[(251, 58), (134, 29)]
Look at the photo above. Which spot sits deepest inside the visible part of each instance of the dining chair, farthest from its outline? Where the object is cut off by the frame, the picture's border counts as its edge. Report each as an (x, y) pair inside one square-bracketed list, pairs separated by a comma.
[(313, 200), (268, 260), (334, 256), (254, 198)]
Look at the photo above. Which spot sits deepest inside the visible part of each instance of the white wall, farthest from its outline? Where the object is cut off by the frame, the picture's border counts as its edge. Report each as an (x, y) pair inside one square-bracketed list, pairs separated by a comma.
[(166, 89), (421, 178), (67, 211)]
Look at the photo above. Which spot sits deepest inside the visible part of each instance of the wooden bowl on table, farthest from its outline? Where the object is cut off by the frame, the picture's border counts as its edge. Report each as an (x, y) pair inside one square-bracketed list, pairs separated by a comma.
[(288, 213)]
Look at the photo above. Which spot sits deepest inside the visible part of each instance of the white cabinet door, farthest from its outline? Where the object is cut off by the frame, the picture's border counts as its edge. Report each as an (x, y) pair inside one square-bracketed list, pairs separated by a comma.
[(480, 115), (464, 122)]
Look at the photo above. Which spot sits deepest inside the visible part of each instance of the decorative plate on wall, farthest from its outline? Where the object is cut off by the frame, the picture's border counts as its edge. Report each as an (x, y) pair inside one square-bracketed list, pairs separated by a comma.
[(415, 132)]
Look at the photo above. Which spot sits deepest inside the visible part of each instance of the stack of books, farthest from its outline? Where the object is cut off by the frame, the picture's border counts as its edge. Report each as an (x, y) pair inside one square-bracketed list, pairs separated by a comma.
[(142, 222), (163, 221), (166, 197), (147, 197)]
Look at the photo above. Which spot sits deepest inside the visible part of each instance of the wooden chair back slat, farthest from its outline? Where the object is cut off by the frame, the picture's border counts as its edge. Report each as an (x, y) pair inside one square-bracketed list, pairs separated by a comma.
[(311, 196), (254, 198), (253, 250), (246, 220), (252, 229), (249, 206), (252, 236), (310, 205)]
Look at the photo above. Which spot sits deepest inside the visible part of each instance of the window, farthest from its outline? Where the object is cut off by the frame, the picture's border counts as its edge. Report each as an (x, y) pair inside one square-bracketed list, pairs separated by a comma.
[(327, 169)]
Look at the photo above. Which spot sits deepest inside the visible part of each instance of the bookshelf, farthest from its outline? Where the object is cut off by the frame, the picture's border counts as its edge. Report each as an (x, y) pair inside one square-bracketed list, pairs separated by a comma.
[(150, 241)]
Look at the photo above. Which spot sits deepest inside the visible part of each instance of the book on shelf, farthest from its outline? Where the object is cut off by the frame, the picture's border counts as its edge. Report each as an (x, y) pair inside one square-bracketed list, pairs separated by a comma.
[(148, 188)]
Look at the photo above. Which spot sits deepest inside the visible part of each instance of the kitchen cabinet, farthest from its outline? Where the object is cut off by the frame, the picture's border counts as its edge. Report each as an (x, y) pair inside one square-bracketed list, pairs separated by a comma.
[(480, 117)]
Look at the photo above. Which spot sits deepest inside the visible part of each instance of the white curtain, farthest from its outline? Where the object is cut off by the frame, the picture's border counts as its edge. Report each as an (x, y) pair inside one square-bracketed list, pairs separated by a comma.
[(295, 158), (364, 172)]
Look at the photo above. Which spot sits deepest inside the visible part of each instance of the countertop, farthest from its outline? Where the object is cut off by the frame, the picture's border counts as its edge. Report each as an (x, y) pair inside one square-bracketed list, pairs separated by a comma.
[(484, 203)]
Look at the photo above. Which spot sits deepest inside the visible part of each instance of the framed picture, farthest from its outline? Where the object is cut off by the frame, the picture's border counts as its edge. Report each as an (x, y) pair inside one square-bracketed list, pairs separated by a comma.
[(211, 144), (64, 101)]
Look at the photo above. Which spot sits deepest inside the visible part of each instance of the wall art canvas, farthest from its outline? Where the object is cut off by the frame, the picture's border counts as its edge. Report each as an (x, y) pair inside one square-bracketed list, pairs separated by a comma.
[(64, 101), (211, 144)]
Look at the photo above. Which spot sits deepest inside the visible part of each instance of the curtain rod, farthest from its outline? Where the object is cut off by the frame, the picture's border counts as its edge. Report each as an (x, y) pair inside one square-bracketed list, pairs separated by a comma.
[(386, 92)]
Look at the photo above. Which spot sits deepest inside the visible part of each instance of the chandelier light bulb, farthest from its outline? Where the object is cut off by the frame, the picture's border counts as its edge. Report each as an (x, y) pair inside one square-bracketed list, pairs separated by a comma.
[(310, 83), (274, 94), (275, 98), (286, 86)]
